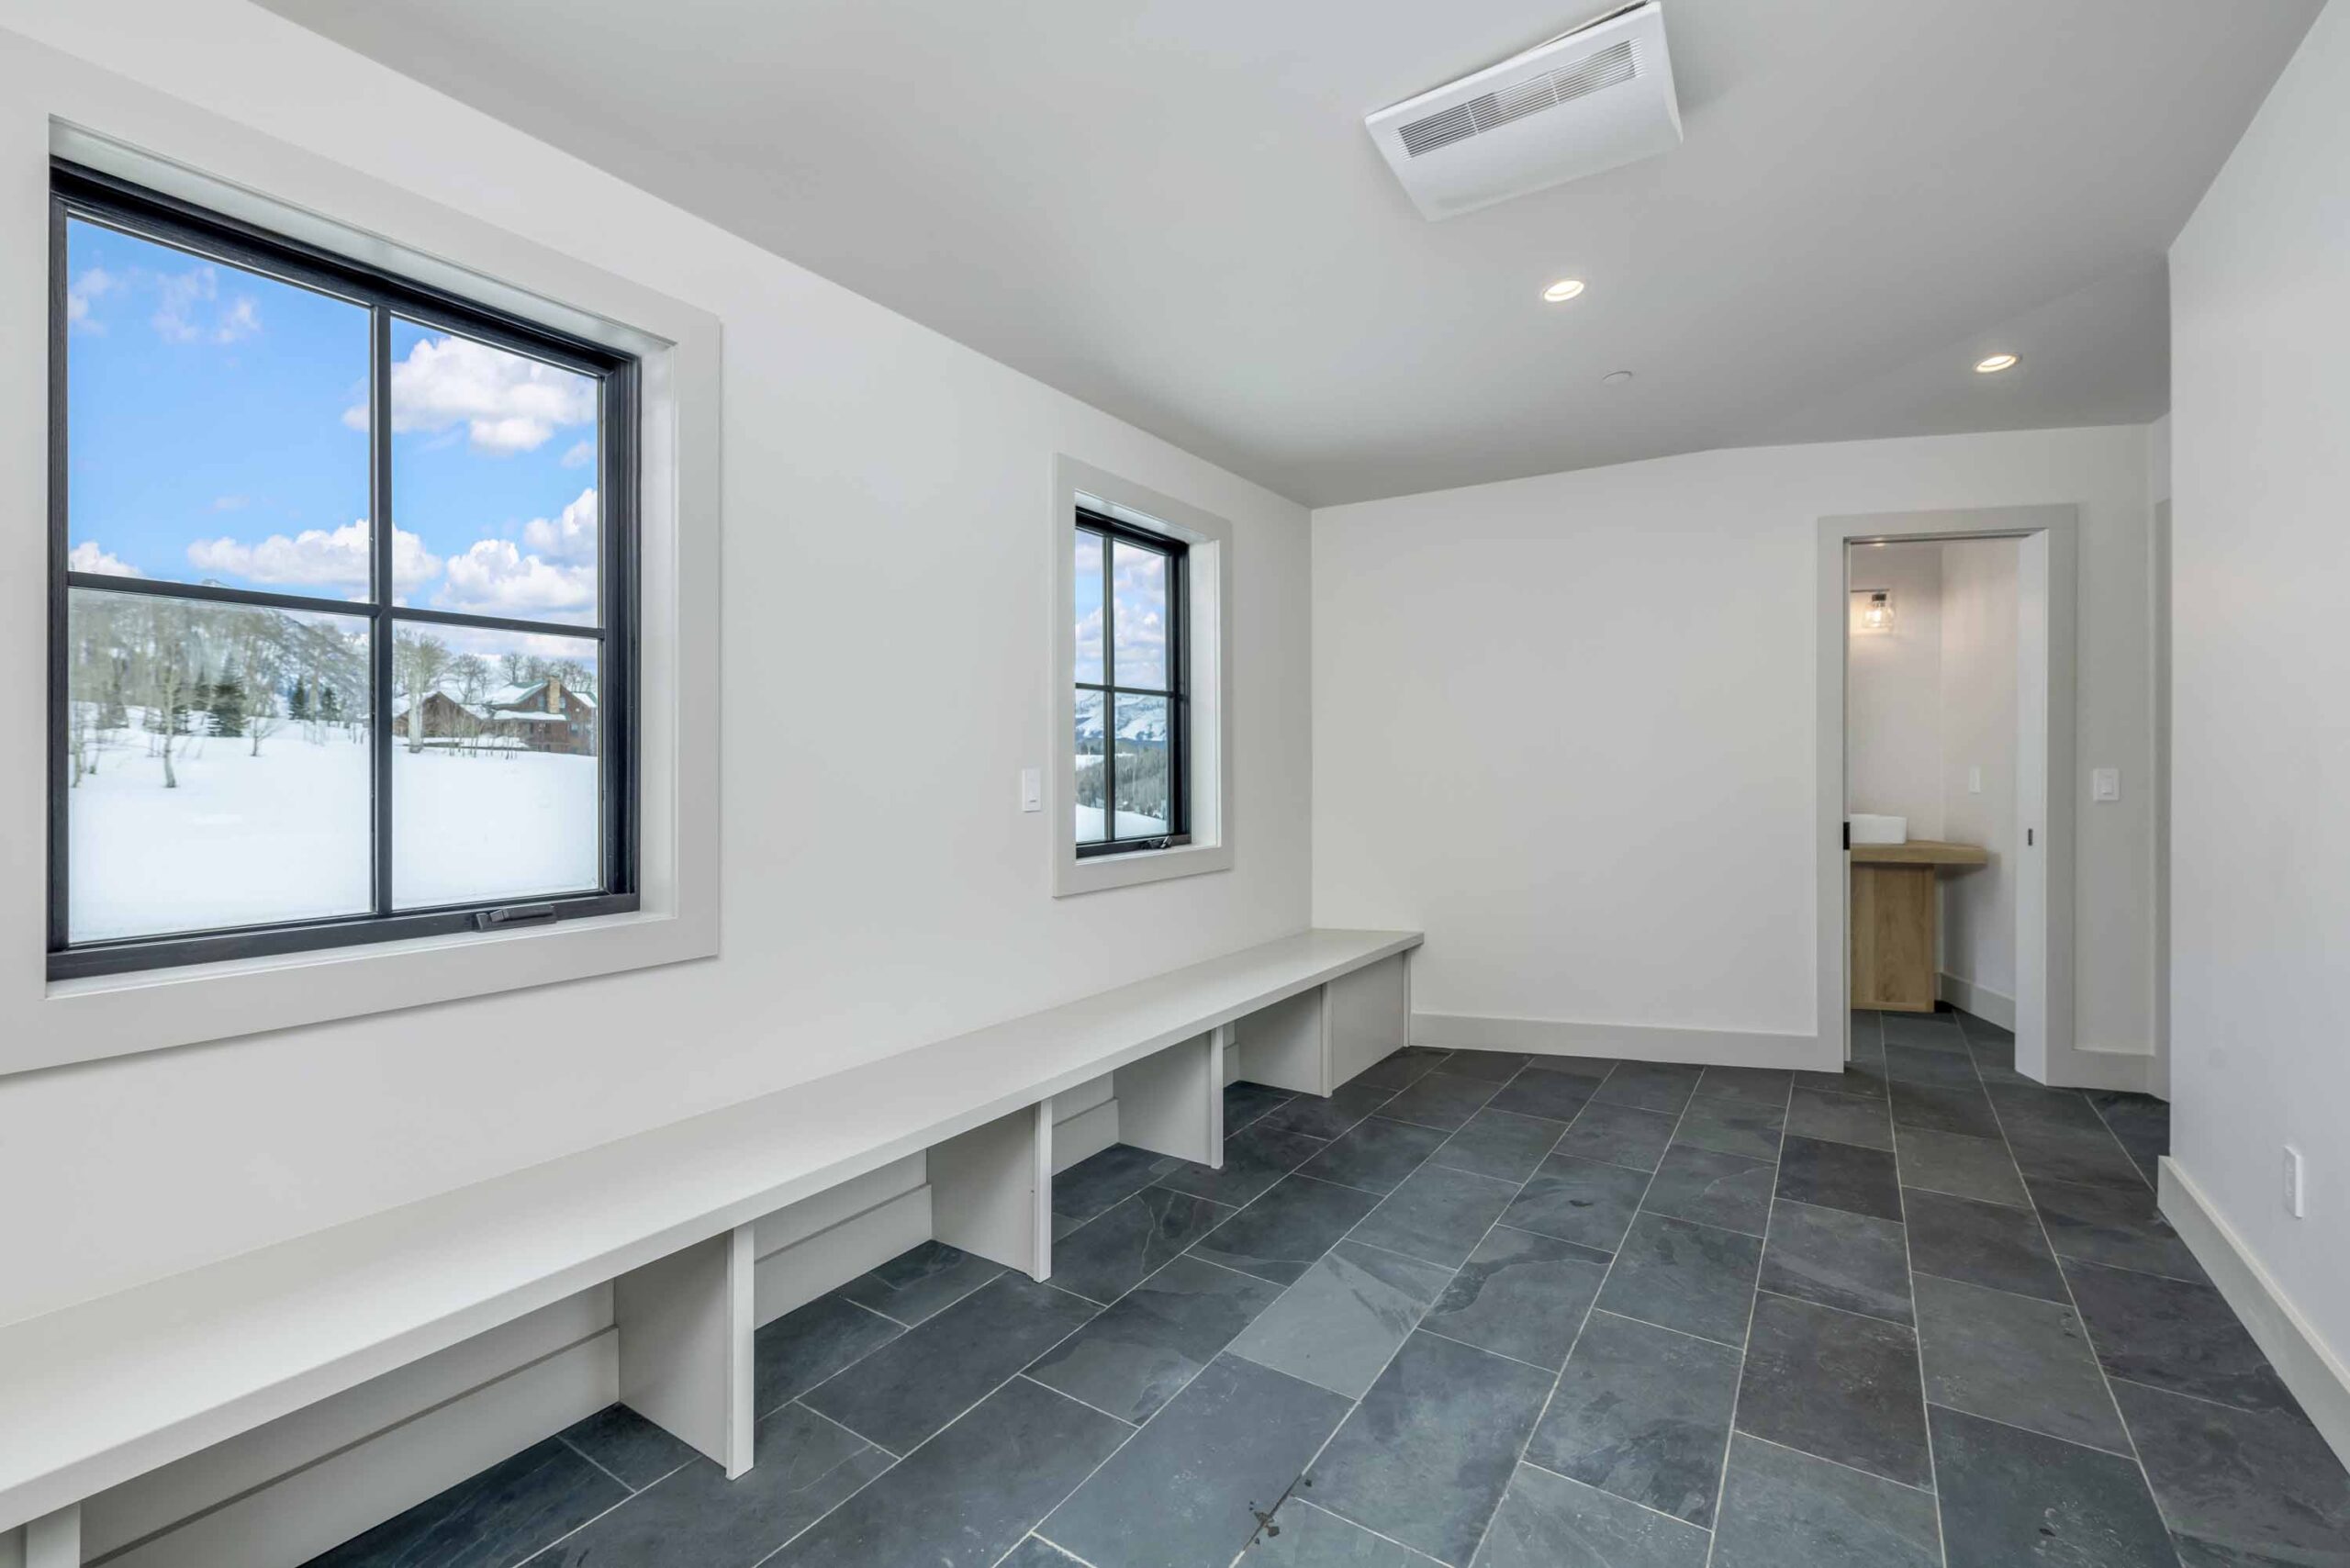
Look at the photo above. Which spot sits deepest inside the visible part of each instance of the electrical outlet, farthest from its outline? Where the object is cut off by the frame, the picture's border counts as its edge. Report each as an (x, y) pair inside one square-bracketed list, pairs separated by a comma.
[(1031, 789), (2292, 1180)]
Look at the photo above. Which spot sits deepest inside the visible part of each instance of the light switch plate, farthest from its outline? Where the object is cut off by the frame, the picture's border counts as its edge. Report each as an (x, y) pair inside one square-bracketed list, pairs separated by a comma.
[(1974, 780), (1031, 789), (2105, 783)]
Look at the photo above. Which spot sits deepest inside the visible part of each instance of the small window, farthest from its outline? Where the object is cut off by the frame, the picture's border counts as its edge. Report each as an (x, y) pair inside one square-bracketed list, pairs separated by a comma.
[(342, 582), (1131, 788)]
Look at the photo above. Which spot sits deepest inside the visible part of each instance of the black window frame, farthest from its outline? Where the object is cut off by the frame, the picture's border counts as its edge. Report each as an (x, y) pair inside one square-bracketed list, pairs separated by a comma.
[(88, 195), (1177, 691)]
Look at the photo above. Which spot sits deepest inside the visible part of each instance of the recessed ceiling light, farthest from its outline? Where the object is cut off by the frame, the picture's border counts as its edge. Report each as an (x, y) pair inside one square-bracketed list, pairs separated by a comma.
[(1994, 365), (1566, 288), (1617, 378)]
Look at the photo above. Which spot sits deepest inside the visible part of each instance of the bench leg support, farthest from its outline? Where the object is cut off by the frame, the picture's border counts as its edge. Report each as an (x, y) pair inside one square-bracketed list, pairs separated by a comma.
[(685, 1331), (1283, 1045), (1172, 1102), (52, 1540), (1367, 1015), (991, 1190)]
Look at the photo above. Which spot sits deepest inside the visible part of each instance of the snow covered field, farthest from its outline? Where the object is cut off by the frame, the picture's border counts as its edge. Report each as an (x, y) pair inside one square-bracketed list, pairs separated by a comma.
[(492, 825), (1131, 824), (286, 835)]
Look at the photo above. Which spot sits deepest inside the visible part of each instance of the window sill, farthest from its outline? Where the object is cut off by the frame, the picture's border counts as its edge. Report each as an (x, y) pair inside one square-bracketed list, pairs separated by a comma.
[(1094, 873), (102, 1015)]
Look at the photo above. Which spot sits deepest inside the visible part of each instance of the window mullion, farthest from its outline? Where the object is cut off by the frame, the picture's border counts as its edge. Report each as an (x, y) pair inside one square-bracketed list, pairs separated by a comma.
[(1109, 698), (379, 512)]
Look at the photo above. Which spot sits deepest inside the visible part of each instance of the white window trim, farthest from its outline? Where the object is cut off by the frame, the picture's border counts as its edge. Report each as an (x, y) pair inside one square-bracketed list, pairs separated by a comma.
[(1207, 643), (223, 166)]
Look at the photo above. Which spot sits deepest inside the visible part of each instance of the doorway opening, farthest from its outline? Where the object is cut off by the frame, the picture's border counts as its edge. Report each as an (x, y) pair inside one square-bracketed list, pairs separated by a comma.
[(1930, 775), (1946, 711)]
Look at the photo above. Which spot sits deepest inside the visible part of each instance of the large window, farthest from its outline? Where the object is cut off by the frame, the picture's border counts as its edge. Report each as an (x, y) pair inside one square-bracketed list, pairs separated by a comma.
[(1132, 719), (341, 602)]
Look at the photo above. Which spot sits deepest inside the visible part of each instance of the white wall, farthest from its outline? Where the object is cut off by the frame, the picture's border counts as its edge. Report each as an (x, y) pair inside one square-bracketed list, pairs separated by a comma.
[(1893, 761), (2260, 842), (886, 493), (1565, 724), (1977, 739)]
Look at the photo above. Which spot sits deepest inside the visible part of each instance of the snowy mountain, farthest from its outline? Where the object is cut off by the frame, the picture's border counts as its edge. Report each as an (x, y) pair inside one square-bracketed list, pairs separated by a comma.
[(1142, 721)]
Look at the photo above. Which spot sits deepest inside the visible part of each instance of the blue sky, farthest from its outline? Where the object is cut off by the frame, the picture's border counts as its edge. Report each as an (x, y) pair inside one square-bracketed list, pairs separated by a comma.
[(218, 426), (1138, 583)]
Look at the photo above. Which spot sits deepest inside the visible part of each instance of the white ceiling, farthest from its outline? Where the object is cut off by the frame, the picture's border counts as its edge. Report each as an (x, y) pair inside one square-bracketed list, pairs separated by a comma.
[(1169, 208)]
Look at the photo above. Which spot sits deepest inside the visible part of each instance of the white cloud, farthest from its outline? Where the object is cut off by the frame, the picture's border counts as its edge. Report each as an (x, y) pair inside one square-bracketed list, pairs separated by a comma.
[(569, 537), (507, 403), (1088, 643), (82, 294), (91, 556), (188, 310), (316, 558), (1138, 588), (229, 503), (580, 455), (495, 578)]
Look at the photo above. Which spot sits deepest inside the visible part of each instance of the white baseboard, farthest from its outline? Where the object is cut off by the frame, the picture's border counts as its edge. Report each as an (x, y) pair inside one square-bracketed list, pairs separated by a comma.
[(341, 1492), (793, 1275), (286, 1491), (1084, 1134), (1636, 1042), (1992, 1007), (2317, 1377), (2086, 1067)]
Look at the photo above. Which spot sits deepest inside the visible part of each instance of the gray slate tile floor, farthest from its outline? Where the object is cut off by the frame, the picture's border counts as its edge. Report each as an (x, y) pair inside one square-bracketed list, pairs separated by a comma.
[(1479, 1311)]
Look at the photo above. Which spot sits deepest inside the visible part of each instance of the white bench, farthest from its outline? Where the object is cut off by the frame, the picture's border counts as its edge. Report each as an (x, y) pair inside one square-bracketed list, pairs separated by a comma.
[(97, 1393)]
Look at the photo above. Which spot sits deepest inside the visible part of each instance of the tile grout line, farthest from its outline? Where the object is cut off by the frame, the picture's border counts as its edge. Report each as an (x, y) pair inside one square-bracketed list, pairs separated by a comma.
[(1558, 1377), (1746, 1341), (1423, 1328), (1036, 1530), (1022, 1376), (2034, 1431), (896, 1459), (1832, 1306), (1614, 1496), (1032, 1535), (1926, 1492), (781, 1546), (1918, 1332), (1356, 1404), (600, 1513), (2072, 1302), (591, 1459), (2198, 1398), (2124, 1148)]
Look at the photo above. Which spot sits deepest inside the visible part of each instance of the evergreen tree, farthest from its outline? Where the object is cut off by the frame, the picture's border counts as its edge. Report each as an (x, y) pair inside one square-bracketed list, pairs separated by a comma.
[(228, 704), (114, 714), (297, 701)]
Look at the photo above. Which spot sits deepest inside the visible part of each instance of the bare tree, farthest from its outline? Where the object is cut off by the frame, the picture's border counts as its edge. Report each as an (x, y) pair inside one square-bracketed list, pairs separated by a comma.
[(471, 674), (419, 661), (170, 657), (92, 678)]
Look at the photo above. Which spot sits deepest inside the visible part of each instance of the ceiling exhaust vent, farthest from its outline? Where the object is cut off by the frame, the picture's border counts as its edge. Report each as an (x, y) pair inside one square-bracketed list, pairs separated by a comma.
[(1586, 101)]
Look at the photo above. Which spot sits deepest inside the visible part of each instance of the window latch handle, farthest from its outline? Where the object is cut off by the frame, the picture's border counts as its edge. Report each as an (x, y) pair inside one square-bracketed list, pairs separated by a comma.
[(513, 915)]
